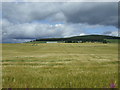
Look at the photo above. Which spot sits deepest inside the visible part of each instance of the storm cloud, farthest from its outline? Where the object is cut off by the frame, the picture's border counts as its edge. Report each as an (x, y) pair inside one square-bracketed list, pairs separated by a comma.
[(104, 13), (92, 13), (26, 21)]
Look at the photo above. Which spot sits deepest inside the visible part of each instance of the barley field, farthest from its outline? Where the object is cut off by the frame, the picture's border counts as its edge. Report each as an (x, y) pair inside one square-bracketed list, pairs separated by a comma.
[(59, 65)]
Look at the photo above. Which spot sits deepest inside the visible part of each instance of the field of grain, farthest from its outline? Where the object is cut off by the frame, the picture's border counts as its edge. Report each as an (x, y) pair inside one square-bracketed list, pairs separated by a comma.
[(59, 65)]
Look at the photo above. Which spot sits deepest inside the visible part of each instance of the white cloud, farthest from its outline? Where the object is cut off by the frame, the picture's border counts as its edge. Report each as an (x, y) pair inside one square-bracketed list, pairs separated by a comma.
[(114, 33), (28, 31), (81, 34)]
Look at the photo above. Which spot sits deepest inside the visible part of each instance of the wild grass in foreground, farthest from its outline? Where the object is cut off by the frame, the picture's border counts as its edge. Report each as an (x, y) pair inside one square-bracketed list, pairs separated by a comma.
[(60, 65)]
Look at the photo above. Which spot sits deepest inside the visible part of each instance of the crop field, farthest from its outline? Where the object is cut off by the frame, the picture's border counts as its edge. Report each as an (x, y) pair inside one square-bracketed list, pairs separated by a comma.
[(60, 65)]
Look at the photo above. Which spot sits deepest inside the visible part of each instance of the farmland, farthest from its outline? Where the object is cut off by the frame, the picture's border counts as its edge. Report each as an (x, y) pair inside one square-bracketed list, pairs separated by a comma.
[(59, 65)]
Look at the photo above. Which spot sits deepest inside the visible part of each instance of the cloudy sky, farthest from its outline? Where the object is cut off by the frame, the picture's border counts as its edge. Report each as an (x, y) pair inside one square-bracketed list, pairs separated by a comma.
[(25, 21)]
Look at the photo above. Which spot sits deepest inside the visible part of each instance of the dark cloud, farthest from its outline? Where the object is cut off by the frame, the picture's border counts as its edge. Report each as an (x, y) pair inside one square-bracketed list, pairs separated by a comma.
[(28, 12), (103, 13)]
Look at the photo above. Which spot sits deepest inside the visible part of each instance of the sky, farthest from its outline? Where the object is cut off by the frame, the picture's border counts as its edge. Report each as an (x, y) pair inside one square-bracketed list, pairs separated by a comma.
[(26, 21)]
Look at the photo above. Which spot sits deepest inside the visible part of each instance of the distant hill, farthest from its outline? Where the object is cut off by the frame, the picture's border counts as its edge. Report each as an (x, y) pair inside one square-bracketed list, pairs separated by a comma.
[(85, 38)]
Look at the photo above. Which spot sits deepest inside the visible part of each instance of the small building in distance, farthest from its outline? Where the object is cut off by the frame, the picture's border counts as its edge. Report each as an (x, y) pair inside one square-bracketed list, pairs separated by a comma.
[(51, 42)]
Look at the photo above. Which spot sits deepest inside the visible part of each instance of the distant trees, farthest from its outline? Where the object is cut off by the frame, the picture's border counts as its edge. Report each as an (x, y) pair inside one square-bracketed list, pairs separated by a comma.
[(82, 39)]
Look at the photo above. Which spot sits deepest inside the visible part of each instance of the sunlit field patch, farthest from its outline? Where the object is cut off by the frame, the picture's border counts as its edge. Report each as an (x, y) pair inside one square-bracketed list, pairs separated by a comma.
[(60, 65)]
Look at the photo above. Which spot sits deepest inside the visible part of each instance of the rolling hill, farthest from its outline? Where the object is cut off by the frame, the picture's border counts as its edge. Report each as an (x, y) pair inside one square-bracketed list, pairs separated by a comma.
[(85, 38)]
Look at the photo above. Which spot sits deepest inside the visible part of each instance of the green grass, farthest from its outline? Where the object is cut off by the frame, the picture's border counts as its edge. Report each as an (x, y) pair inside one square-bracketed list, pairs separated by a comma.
[(60, 65), (113, 40), (37, 42)]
